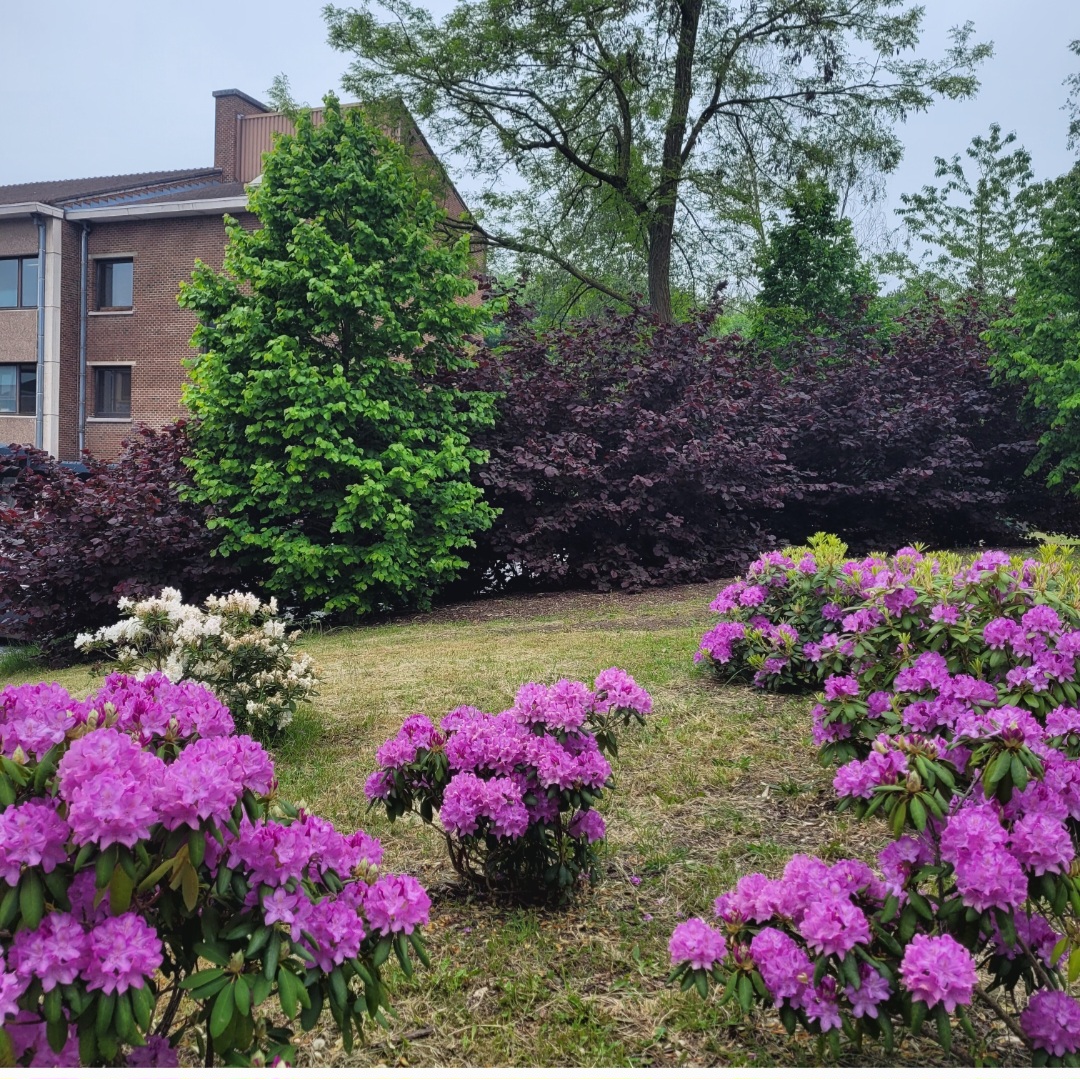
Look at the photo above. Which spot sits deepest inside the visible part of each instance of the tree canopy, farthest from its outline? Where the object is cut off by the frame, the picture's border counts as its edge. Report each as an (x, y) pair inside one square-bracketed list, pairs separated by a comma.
[(328, 442), (669, 130), (980, 227)]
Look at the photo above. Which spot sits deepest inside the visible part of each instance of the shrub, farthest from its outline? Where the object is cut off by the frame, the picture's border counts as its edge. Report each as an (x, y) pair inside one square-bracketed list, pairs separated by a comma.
[(516, 792), (237, 647), (629, 454), (336, 461), (972, 747), (812, 618), (910, 439), (71, 546), (152, 883)]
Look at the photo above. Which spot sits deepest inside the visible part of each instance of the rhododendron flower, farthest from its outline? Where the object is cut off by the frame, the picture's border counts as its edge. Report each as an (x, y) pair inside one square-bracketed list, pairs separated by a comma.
[(696, 943), (945, 614), (1052, 1022), (1042, 844), (839, 686), (12, 986), (124, 954), (833, 926), (938, 970), (588, 824), (31, 834), (157, 1053), (34, 718), (108, 783), (621, 691), (786, 969), (821, 1002), (55, 952), (396, 904), (873, 990)]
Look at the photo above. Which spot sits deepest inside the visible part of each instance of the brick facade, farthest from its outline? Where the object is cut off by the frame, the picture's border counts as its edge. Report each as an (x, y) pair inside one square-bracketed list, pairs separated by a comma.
[(162, 222)]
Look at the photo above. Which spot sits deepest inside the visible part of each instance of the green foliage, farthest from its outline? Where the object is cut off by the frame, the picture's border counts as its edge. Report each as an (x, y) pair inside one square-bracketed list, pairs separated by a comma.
[(978, 232), (335, 456), (1038, 344), (661, 135), (810, 266)]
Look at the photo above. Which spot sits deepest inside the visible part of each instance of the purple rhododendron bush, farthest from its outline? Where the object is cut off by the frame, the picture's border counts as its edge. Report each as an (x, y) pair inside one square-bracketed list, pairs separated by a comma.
[(516, 793), (950, 694), (152, 884)]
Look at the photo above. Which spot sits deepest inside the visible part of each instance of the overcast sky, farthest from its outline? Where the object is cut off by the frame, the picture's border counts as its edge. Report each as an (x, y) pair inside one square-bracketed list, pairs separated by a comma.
[(125, 86)]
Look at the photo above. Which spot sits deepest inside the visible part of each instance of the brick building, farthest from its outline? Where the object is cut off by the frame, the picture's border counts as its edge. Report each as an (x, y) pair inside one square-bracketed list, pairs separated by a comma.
[(92, 341)]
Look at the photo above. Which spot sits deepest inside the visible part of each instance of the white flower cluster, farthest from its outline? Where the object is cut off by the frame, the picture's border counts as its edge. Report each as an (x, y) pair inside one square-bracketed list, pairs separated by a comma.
[(236, 645)]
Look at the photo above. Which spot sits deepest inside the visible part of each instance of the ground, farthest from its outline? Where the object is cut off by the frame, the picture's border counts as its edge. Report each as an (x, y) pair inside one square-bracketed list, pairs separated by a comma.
[(722, 782)]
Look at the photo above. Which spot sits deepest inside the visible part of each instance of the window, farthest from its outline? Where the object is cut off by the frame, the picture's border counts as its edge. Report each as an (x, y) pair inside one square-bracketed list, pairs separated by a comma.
[(18, 388), (19, 282), (112, 392), (114, 284)]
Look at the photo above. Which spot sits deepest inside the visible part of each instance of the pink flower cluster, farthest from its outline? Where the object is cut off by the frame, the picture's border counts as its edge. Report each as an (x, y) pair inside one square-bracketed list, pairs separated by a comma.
[(509, 770), (147, 762)]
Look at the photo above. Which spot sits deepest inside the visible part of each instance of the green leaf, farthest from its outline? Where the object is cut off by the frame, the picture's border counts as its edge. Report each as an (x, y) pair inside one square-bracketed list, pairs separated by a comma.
[(31, 899), (222, 1012), (944, 1028), (120, 889), (287, 984), (242, 996)]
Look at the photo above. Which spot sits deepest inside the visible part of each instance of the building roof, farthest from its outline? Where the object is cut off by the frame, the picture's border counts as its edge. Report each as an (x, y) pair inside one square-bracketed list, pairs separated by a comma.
[(87, 189)]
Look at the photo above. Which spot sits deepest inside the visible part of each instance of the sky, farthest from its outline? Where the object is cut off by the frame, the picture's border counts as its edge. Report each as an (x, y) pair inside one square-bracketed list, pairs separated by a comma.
[(125, 86)]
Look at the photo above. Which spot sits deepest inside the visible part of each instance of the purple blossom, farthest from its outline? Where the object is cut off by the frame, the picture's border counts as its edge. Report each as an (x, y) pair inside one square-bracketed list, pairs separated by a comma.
[(1041, 844), (55, 952), (786, 969), (718, 642), (124, 954), (696, 943), (108, 783), (945, 614), (31, 833), (619, 690), (1052, 1022), (833, 925), (821, 1002), (35, 718), (157, 1053), (873, 990), (396, 904), (588, 824), (938, 970), (840, 686)]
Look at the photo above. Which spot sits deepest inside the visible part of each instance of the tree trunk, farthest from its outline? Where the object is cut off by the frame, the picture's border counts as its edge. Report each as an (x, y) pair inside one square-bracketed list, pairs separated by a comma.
[(660, 232), (662, 223)]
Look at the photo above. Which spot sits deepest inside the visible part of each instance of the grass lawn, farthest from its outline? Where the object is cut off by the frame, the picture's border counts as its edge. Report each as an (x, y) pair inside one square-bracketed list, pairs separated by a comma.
[(722, 782)]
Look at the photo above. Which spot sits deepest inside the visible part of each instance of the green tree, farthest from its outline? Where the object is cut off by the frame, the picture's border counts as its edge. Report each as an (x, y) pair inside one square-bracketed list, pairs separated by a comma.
[(1072, 102), (333, 451), (681, 122), (1039, 342), (811, 265), (977, 232)]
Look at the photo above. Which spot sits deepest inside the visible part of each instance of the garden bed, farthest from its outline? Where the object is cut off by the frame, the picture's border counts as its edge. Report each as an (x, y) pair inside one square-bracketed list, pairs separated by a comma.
[(724, 782)]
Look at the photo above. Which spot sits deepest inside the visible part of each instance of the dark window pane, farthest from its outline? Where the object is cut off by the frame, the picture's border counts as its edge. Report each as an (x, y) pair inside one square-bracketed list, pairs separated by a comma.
[(28, 389), (9, 380), (9, 282), (29, 282), (112, 391), (115, 284)]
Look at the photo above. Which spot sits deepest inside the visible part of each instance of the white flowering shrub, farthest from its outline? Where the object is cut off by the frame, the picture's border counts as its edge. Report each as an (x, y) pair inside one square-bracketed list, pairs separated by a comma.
[(235, 645)]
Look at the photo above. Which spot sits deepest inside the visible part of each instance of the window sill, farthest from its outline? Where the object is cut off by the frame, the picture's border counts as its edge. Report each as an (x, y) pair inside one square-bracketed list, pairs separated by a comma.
[(109, 419), (111, 311), (17, 415)]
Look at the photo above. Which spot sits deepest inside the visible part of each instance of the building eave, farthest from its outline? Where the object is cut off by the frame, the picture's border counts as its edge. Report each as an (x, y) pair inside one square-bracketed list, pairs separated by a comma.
[(26, 209), (144, 212)]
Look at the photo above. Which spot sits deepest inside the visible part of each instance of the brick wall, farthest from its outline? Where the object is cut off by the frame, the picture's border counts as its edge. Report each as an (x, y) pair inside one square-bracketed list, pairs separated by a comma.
[(226, 130), (18, 328), (154, 335)]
